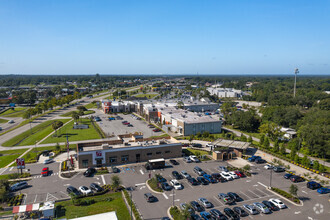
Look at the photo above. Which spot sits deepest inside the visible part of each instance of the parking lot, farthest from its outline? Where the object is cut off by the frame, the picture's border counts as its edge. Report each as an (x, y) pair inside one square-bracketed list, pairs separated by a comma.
[(115, 127)]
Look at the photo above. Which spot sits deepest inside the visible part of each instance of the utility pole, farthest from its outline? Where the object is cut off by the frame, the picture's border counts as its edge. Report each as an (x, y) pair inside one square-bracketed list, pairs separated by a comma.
[(296, 71), (271, 175)]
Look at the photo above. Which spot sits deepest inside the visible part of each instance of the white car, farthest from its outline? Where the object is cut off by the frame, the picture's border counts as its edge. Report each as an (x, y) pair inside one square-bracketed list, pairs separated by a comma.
[(193, 158), (268, 167), (209, 145), (11, 121), (205, 203), (176, 184), (47, 161), (84, 190), (233, 175), (185, 174), (278, 203), (226, 175), (187, 159)]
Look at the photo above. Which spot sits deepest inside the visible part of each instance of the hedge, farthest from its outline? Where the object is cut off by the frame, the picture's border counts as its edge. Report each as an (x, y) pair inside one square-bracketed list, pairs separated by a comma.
[(286, 195), (135, 211)]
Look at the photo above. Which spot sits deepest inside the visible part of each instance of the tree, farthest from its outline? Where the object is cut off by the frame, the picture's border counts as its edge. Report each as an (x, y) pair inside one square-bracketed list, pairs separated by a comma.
[(57, 147), (56, 125), (293, 189), (262, 139), (243, 138), (180, 105), (316, 165), (296, 158), (4, 192), (322, 168), (75, 116), (247, 167), (250, 140), (276, 148), (266, 143), (115, 182), (191, 138), (282, 149)]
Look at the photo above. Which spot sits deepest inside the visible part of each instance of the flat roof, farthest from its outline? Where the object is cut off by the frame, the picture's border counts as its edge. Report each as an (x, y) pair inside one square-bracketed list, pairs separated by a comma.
[(107, 215), (231, 144)]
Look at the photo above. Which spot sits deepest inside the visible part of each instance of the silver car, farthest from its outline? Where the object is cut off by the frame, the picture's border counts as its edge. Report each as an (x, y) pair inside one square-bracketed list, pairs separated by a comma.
[(261, 207), (185, 174), (184, 206), (251, 209), (205, 203)]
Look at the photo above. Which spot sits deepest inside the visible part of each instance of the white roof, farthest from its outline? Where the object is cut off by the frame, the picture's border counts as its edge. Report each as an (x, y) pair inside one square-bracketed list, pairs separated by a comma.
[(156, 160), (107, 215)]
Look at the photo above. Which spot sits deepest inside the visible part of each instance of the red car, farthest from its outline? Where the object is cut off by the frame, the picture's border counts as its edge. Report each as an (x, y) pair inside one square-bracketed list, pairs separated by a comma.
[(239, 173), (156, 130), (45, 171), (126, 123), (185, 145)]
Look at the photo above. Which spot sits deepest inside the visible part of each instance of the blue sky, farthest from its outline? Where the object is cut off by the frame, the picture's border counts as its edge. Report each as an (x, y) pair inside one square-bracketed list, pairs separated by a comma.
[(164, 37)]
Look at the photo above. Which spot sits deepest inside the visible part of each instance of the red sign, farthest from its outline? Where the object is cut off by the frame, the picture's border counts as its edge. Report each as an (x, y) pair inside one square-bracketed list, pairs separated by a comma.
[(20, 163), (98, 153)]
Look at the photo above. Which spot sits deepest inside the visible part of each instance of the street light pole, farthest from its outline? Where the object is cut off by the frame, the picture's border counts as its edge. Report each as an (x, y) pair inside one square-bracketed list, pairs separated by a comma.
[(271, 175), (173, 196)]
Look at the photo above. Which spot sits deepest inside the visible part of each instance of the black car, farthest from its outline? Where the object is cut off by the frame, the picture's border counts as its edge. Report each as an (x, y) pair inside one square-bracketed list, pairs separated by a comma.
[(197, 145), (89, 172), (270, 205), (234, 196), (195, 217), (176, 175), (217, 214), (240, 212), (231, 214), (278, 169), (313, 185), (96, 187), (287, 176), (193, 181), (166, 186), (160, 179), (260, 160), (196, 206), (296, 179), (174, 162), (149, 197), (202, 180), (115, 169), (73, 190)]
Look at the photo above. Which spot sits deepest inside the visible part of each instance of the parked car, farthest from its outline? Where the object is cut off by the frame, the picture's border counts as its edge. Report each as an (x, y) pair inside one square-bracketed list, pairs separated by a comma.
[(187, 160), (279, 169), (268, 166), (251, 209), (149, 197), (217, 177), (193, 158), (206, 215), (233, 175), (196, 206), (174, 162), (184, 206), (296, 179), (210, 145), (253, 158), (234, 196), (176, 184), (166, 186), (239, 173), (185, 145), (222, 168), (262, 207), (195, 217), (193, 181), (151, 126), (231, 214), (199, 171), (130, 125), (226, 176), (259, 160), (270, 205), (89, 172), (96, 187), (115, 169), (84, 190), (209, 178), (240, 212), (202, 180), (11, 121), (47, 161), (176, 175), (217, 214), (156, 130), (323, 190), (287, 175), (185, 174), (45, 171), (73, 190), (278, 203), (160, 179), (18, 186), (225, 198), (197, 145), (205, 202), (313, 185)]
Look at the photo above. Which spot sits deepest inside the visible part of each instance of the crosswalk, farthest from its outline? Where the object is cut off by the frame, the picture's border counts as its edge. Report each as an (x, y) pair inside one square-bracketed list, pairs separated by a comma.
[(40, 176)]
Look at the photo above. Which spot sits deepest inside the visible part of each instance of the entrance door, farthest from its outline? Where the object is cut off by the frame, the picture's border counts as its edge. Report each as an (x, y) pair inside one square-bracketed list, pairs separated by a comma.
[(99, 162), (138, 158)]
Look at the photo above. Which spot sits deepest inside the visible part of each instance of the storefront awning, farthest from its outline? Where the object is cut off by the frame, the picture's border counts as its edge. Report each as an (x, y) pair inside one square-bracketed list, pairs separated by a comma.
[(26, 208)]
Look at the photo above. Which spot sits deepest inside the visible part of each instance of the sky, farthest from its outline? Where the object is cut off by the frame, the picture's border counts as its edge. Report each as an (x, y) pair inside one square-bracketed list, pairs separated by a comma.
[(164, 37)]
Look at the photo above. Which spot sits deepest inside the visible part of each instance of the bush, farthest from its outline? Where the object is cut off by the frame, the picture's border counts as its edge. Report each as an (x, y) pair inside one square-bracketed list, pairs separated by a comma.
[(286, 195), (135, 212)]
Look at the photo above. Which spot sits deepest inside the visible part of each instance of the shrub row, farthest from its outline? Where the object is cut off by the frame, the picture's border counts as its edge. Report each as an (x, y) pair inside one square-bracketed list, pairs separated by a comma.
[(286, 195), (154, 184), (135, 211), (15, 200), (175, 212), (246, 173)]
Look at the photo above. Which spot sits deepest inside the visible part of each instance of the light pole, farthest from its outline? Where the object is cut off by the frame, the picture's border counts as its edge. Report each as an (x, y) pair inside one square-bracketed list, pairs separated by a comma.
[(173, 196), (271, 175)]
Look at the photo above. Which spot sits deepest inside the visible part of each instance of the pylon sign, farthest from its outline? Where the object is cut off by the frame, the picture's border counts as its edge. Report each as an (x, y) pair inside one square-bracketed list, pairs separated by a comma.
[(20, 163)]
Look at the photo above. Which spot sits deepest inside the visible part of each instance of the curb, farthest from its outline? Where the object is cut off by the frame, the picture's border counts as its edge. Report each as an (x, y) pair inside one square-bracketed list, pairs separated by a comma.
[(169, 214), (20, 179), (301, 202), (152, 189)]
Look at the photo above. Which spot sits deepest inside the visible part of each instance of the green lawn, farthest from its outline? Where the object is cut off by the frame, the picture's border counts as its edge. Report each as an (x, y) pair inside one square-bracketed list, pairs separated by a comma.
[(17, 112), (148, 95), (69, 114), (91, 105), (74, 134), (68, 210), (8, 156), (3, 121), (38, 133)]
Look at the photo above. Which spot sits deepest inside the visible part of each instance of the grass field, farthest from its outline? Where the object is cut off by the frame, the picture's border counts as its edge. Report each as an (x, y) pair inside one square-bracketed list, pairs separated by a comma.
[(74, 134), (148, 95), (69, 114), (91, 105), (67, 210), (3, 121), (8, 156), (17, 112), (38, 133)]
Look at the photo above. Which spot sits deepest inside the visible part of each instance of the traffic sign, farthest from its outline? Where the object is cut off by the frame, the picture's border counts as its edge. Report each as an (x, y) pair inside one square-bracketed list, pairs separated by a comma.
[(20, 163)]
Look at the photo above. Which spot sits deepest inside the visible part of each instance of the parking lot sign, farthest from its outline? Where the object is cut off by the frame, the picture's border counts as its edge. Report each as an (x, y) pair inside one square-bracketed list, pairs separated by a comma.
[(20, 163)]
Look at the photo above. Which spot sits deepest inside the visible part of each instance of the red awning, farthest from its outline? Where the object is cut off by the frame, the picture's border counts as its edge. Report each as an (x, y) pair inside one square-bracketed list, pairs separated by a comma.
[(16, 209), (29, 207)]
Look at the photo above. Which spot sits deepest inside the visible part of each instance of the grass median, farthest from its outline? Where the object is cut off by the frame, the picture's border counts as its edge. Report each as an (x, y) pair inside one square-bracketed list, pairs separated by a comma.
[(69, 114), (7, 156), (16, 112), (148, 95), (30, 137), (103, 203), (3, 120), (74, 134)]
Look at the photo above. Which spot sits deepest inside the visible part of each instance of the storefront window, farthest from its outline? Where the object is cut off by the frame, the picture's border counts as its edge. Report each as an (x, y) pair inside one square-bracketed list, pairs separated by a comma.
[(85, 163), (124, 158), (113, 159)]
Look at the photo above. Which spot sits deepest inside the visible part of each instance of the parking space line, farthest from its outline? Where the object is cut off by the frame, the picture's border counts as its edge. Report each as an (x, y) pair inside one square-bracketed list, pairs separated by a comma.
[(217, 199), (246, 195), (262, 193), (35, 199), (254, 193), (165, 196), (262, 184), (11, 168), (141, 172), (103, 180)]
